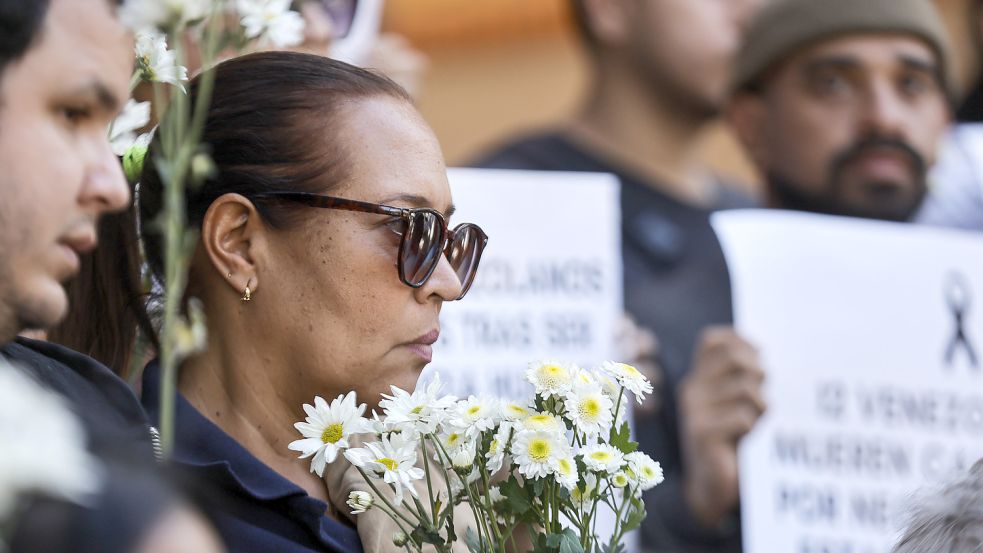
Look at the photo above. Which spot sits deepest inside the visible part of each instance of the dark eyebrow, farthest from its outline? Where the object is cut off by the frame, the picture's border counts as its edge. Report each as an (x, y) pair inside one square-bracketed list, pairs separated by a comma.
[(98, 90), (831, 62), (920, 64), (415, 200)]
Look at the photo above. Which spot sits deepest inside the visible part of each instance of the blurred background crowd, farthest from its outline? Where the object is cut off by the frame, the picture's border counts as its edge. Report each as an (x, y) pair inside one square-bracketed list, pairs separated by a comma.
[(865, 108)]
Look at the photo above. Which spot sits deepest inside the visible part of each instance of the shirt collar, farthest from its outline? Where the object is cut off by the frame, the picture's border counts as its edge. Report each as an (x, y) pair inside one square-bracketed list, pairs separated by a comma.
[(200, 443)]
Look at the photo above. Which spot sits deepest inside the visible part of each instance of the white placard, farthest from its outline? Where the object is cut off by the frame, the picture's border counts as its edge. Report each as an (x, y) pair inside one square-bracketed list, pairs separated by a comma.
[(873, 393), (549, 284)]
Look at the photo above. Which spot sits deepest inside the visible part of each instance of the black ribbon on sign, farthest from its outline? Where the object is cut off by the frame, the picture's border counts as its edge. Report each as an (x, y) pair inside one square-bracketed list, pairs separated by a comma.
[(958, 297)]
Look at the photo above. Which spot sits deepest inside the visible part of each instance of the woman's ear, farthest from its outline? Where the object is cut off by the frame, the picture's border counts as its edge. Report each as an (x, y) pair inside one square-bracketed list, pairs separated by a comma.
[(232, 233)]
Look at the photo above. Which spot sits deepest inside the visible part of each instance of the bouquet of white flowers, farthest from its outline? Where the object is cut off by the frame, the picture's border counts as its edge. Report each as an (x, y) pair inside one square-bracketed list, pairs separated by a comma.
[(543, 466)]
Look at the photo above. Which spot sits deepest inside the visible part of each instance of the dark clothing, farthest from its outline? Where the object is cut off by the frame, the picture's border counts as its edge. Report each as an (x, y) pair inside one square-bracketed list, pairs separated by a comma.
[(675, 284), (263, 511), (116, 425)]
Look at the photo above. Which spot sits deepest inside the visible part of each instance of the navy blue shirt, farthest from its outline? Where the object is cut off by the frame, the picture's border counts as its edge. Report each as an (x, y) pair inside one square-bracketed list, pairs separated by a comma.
[(261, 511)]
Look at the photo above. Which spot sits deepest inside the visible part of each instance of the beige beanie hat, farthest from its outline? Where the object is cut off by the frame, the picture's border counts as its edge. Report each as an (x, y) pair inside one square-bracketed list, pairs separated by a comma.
[(785, 26)]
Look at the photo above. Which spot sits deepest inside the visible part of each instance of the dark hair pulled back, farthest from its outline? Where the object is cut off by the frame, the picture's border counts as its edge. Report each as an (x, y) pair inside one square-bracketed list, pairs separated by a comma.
[(269, 127)]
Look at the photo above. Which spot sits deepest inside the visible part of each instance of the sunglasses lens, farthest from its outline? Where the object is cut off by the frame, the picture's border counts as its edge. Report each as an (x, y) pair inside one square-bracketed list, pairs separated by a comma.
[(464, 252), (420, 250)]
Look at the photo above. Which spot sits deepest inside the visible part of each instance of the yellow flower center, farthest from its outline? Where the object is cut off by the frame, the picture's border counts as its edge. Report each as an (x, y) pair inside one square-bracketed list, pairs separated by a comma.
[(602, 456), (332, 433), (552, 376), (474, 409), (453, 439), (417, 410), (388, 463), (648, 473), (590, 408), (565, 467), (517, 410), (539, 450), (631, 371)]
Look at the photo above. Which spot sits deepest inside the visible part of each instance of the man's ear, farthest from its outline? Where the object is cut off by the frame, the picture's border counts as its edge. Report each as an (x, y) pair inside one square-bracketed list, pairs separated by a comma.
[(608, 20), (233, 234), (746, 116)]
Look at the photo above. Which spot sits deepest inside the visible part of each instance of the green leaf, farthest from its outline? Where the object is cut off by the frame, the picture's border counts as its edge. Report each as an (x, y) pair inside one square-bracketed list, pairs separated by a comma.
[(621, 439), (635, 518), (426, 535), (516, 497), (569, 542)]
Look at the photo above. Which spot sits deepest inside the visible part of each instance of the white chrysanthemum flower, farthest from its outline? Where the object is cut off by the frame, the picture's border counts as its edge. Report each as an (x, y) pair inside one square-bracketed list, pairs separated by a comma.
[(48, 454), (476, 415), (544, 422), (122, 131), (537, 453), (452, 439), (393, 459), (603, 458), (495, 456), (549, 377), (160, 14), (462, 457), (583, 377), (423, 410), (647, 472), (620, 479), (327, 429), (612, 389), (589, 409), (272, 21), (495, 495), (156, 62), (359, 501), (582, 499), (514, 411), (629, 377), (566, 472)]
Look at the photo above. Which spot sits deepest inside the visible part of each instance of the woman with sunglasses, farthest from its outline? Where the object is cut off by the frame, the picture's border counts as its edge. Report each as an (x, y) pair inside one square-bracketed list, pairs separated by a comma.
[(323, 260)]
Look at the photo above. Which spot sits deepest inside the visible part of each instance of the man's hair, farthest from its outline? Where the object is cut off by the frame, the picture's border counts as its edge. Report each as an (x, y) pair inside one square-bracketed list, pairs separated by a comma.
[(950, 519), (20, 25), (578, 14)]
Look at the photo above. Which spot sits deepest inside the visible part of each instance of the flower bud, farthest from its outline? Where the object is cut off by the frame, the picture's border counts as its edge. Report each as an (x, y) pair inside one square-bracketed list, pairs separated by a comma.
[(400, 539), (620, 479), (360, 501)]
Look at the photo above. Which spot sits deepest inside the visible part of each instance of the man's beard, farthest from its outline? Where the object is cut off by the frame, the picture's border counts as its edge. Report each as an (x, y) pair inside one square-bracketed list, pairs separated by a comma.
[(786, 194)]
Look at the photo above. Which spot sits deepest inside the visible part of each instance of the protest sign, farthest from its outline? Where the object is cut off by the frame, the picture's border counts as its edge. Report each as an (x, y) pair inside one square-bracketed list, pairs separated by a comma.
[(549, 284), (869, 335)]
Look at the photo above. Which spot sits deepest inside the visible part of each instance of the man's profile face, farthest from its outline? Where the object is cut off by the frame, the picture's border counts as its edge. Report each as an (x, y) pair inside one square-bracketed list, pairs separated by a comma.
[(57, 172), (850, 126), (686, 48)]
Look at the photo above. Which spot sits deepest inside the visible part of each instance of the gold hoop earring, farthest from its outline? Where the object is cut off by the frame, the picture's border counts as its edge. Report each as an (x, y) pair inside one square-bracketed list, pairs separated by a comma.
[(247, 294)]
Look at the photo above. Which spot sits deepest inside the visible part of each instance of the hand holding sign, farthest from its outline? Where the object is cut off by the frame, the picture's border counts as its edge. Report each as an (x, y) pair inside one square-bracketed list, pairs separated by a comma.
[(720, 402)]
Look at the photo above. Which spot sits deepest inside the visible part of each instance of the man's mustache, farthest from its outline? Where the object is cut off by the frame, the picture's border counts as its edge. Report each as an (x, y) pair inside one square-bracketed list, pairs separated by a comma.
[(855, 151)]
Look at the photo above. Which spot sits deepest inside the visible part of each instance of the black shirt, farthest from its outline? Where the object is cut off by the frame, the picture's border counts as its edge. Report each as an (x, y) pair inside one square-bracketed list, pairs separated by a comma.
[(261, 511), (116, 425), (675, 284)]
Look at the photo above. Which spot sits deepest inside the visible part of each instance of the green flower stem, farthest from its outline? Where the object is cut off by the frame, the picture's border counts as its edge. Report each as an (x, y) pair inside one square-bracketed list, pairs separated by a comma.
[(478, 519), (392, 515), (178, 143), (490, 509), (426, 470), (385, 500), (617, 407)]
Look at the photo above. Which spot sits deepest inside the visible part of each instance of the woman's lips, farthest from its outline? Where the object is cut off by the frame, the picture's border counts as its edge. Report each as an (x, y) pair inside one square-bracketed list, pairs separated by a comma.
[(423, 346)]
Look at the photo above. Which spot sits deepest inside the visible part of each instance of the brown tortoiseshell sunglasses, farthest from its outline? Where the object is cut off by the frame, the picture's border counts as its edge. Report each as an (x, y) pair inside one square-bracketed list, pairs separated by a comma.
[(424, 237)]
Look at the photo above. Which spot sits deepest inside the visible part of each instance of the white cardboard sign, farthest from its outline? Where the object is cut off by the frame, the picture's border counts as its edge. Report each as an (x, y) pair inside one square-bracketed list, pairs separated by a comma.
[(870, 335)]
